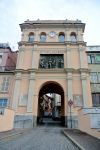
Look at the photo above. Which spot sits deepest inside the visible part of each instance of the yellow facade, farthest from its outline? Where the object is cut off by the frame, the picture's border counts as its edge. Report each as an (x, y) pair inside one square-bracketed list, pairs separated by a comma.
[(52, 59), (72, 78)]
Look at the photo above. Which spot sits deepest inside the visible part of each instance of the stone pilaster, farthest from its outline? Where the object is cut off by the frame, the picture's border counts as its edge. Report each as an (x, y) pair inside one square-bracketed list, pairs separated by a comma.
[(67, 35), (82, 58), (20, 57), (70, 86), (84, 89), (37, 35), (83, 67), (31, 93), (16, 91), (69, 65), (69, 96), (79, 35), (34, 58), (69, 74)]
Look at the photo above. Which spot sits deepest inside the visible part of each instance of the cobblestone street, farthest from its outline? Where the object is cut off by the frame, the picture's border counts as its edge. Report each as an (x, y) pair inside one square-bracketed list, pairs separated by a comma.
[(39, 138)]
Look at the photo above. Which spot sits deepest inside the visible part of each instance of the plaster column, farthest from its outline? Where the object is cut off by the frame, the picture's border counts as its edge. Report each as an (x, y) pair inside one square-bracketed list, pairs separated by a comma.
[(67, 35), (70, 86), (83, 66), (31, 93), (16, 91), (20, 58), (69, 96), (79, 35), (35, 58), (69, 75), (69, 65), (84, 89), (37, 35), (83, 57)]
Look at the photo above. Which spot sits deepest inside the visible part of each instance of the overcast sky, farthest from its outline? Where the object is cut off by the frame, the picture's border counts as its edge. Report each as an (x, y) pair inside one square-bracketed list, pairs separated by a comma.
[(14, 12)]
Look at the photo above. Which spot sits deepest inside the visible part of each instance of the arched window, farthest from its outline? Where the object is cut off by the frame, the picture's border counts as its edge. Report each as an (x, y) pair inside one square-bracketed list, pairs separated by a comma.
[(43, 37), (61, 37), (31, 37), (73, 37)]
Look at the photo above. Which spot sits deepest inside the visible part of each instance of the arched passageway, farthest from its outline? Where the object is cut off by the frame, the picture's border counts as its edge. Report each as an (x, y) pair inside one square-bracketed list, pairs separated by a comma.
[(51, 104)]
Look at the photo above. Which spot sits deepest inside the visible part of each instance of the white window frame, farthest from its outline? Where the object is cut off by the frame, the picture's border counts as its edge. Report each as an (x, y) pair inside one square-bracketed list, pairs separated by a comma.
[(2, 103), (5, 84)]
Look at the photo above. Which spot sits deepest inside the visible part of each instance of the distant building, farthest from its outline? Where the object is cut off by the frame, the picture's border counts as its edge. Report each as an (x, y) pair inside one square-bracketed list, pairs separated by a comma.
[(93, 54), (8, 58)]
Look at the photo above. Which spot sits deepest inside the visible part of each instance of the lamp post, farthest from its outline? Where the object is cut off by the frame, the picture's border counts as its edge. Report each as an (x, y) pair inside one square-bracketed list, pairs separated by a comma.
[(70, 103)]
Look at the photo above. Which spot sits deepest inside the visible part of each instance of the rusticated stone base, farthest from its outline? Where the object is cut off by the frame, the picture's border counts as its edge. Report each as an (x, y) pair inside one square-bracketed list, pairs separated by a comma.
[(74, 122), (25, 121)]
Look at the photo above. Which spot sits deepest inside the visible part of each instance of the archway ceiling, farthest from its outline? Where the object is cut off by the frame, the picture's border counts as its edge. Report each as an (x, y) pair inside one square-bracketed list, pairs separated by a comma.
[(51, 88)]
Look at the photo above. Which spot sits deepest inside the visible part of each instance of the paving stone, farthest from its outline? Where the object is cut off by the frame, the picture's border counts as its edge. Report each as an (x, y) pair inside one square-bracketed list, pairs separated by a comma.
[(39, 138), (87, 141)]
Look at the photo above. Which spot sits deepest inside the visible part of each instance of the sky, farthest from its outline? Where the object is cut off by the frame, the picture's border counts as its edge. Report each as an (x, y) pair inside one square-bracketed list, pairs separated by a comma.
[(14, 12)]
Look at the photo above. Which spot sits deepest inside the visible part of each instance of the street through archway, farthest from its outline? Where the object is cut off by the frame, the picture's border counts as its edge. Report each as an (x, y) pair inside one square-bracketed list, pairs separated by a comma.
[(51, 104)]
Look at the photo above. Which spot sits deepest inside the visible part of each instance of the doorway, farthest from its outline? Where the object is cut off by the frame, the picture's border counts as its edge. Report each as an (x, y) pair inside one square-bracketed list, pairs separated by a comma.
[(51, 104)]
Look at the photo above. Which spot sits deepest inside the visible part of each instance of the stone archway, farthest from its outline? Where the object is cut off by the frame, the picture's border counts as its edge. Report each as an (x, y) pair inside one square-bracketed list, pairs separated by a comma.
[(55, 111)]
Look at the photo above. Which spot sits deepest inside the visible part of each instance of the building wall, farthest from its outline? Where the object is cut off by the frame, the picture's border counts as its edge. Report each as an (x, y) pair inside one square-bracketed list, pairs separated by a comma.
[(85, 120), (9, 58), (4, 56), (93, 55), (7, 87), (7, 80), (6, 120), (29, 78), (73, 78)]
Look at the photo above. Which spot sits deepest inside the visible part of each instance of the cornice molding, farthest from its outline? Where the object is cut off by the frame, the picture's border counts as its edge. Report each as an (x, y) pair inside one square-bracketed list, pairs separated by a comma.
[(25, 71), (54, 70), (51, 77), (7, 73), (75, 43), (46, 71), (84, 70), (32, 76), (80, 70), (69, 70), (26, 43), (19, 71), (18, 76), (68, 24)]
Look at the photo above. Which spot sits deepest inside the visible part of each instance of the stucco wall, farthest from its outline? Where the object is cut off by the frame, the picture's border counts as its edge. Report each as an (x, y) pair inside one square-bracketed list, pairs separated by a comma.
[(84, 124), (7, 120), (9, 93)]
